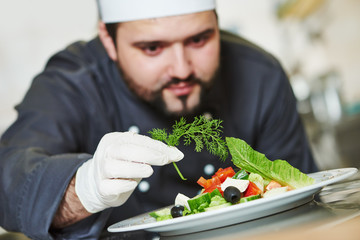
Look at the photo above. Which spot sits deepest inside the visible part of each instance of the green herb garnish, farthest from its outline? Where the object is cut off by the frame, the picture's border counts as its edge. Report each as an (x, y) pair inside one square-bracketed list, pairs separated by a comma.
[(204, 132)]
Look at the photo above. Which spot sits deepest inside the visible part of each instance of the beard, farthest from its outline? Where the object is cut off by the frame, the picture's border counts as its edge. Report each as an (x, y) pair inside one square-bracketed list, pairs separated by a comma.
[(155, 99)]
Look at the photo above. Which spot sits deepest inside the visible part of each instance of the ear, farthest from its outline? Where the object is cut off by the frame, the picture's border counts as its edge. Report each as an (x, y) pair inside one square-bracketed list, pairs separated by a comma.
[(107, 41)]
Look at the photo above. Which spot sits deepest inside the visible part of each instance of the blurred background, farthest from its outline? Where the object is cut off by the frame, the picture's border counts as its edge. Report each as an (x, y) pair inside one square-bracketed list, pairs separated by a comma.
[(315, 40)]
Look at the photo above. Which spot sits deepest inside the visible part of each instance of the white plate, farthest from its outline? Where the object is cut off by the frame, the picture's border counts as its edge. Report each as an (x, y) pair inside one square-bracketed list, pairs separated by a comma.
[(236, 213)]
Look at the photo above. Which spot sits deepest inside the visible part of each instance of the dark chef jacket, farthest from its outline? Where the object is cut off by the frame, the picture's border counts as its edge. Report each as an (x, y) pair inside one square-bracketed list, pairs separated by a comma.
[(80, 96)]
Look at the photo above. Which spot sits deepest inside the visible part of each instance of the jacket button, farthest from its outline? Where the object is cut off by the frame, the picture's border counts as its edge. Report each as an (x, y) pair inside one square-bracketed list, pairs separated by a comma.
[(209, 169), (144, 186), (208, 115), (134, 129)]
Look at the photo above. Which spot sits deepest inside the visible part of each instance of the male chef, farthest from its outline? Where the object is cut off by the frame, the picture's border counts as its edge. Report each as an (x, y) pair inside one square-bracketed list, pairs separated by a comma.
[(79, 158)]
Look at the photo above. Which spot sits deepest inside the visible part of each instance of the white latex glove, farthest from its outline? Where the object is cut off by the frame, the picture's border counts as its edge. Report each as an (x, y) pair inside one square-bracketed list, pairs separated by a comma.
[(121, 160)]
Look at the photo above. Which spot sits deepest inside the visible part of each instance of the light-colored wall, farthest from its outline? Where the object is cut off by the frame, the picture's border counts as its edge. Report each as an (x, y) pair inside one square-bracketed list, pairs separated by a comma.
[(31, 31)]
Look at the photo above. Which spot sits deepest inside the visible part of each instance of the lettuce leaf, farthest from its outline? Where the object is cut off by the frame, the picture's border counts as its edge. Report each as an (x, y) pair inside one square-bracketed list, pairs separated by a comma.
[(244, 157)]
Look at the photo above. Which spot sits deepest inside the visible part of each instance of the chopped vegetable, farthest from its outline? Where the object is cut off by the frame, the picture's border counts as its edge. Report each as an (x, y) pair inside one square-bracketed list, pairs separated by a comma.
[(199, 202), (217, 179), (252, 190), (161, 214), (272, 184), (258, 180), (222, 174), (250, 198), (214, 193), (216, 201), (217, 207), (210, 185)]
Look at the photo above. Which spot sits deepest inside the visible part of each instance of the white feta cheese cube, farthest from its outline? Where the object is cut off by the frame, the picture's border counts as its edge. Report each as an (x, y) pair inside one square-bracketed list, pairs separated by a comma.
[(238, 183), (181, 199)]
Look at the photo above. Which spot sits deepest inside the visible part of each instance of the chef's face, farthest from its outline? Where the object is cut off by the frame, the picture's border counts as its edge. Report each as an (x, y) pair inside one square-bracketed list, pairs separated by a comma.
[(169, 62)]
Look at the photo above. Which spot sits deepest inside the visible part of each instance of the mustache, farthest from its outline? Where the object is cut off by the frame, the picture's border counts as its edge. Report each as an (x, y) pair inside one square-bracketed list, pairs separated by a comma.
[(190, 79)]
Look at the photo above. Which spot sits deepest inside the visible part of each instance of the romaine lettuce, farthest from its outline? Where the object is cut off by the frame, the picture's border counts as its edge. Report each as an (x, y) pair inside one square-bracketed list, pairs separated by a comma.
[(244, 157)]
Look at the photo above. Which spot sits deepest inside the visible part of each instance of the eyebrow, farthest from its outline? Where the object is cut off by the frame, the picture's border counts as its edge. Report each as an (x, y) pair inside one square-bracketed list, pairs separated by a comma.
[(142, 44)]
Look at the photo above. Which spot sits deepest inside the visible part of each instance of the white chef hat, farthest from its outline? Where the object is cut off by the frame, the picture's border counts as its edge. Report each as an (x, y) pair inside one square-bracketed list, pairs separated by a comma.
[(112, 11)]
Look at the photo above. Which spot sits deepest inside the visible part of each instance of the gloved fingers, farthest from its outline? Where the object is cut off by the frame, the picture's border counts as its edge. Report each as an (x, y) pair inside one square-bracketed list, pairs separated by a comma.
[(111, 188), (141, 154), (115, 168), (172, 154), (139, 148)]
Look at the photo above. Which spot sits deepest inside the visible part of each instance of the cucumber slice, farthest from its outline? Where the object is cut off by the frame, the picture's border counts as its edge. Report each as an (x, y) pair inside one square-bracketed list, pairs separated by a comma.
[(250, 198), (216, 201), (215, 192), (258, 180), (218, 207), (199, 202), (162, 214)]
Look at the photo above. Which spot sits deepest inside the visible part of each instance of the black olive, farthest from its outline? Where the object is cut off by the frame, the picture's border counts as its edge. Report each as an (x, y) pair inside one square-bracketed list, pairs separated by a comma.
[(232, 194), (177, 211)]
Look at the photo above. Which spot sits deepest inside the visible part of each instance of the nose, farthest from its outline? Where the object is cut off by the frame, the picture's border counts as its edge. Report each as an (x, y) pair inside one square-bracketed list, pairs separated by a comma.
[(180, 65)]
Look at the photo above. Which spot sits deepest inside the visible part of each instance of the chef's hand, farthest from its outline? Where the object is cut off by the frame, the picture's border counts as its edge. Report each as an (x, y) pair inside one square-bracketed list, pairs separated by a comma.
[(121, 160)]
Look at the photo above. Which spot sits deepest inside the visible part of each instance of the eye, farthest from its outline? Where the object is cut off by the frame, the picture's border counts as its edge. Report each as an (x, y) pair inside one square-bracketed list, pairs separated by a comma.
[(152, 49), (198, 41)]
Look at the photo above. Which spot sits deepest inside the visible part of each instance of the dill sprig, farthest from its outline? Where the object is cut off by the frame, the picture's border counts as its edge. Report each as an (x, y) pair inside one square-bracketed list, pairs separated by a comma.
[(204, 132)]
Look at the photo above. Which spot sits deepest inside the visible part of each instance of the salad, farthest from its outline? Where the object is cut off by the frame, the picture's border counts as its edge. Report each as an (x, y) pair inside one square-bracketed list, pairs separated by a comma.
[(256, 177)]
